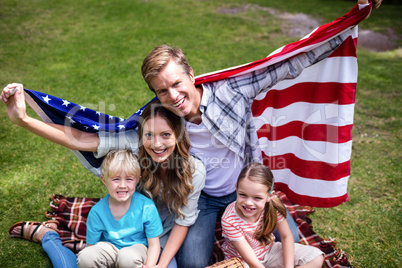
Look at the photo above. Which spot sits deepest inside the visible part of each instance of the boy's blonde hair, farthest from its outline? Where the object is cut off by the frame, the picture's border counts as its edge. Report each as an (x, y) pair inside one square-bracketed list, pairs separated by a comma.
[(117, 161)]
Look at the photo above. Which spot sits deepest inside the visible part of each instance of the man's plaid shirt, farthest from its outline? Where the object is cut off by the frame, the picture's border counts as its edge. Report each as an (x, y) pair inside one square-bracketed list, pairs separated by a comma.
[(226, 104)]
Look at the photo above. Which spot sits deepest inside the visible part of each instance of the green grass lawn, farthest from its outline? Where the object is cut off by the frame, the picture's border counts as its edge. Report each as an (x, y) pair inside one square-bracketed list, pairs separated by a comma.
[(90, 52)]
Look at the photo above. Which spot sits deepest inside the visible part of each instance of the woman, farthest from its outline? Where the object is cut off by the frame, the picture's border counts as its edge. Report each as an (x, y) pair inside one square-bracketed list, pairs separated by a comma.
[(170, 175)]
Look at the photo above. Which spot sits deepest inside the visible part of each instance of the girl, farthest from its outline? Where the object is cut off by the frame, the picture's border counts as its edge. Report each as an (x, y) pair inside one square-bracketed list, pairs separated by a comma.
[(249, 222)]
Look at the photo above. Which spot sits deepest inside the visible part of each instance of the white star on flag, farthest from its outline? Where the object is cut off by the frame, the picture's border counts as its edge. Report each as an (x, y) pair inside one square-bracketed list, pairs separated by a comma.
[(121, 126), (96, 127), (47, 99), (71, 120), (65, 103), (82, 108)]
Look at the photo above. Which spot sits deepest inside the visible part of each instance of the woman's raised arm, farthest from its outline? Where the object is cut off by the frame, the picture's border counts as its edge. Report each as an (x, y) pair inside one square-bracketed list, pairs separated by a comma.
[(68, 137)]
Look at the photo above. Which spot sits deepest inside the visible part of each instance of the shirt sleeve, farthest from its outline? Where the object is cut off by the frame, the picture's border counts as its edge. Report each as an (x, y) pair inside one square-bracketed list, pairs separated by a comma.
[(229, 229), (279, 216), (191, 210), (251, 84), (93, 234), (152, 221), (117, 140)]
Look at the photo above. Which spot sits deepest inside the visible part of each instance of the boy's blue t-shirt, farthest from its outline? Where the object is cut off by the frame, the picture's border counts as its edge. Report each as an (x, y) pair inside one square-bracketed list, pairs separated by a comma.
[(140, 222)]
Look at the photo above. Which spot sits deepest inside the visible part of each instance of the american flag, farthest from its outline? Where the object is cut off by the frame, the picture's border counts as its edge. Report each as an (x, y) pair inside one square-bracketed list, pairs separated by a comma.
[(304, 124)]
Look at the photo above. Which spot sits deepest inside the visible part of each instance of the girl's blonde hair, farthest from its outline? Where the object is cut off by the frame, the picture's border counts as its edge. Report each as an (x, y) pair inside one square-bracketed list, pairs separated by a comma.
[(259, 173), (175, 187), (120, 160)]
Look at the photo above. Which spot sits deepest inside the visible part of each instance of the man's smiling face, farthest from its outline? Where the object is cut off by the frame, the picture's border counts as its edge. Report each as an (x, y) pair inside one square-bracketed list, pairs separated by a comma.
[(176, 91)]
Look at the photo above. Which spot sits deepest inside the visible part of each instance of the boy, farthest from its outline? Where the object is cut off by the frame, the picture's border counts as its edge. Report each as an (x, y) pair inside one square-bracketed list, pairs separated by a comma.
[(123, 228)]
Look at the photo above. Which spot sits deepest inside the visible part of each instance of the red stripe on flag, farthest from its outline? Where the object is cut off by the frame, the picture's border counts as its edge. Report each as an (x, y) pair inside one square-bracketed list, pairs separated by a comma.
[(307, 169), (312, 92), (346, 49), (310, 200), (305, 131)]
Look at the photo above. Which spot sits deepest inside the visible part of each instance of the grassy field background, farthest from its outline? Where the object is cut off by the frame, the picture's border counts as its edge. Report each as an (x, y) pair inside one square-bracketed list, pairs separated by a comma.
[(90, 52)]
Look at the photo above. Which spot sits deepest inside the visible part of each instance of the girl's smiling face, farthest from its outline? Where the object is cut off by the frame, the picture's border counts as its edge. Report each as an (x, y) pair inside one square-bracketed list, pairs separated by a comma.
[(251, 199), (158, 139)]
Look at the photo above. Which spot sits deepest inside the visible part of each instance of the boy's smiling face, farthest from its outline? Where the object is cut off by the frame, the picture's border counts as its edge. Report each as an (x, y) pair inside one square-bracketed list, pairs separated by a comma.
[(121, 187)]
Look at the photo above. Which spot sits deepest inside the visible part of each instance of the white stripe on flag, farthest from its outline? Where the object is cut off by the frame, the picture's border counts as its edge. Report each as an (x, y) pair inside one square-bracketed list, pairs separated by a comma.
[(309, 187), (331, 153), (310, 113)]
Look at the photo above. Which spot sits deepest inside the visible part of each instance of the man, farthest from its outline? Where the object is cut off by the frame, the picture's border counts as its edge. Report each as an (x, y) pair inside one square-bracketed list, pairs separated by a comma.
[(221, 130), (222, 133)]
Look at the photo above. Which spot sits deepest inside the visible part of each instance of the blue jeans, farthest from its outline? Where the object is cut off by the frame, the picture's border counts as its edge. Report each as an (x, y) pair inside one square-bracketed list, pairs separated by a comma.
[(293, 228), (59, 255), (197, 248)]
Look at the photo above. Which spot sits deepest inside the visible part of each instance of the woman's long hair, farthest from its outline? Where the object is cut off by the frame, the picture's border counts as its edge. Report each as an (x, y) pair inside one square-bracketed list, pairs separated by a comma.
[(175, 187), (259, 173)]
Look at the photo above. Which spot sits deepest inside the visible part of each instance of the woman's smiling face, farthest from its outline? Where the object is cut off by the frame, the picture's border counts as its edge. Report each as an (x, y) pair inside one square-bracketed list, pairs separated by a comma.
[(158, 139)]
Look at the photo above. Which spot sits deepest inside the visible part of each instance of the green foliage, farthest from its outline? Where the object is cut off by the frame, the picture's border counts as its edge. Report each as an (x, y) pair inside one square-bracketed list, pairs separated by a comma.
[(90, 52)]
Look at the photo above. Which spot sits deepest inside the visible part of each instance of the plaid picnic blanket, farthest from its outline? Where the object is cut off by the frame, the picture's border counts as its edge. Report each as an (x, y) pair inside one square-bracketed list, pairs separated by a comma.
[(72, 213)]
